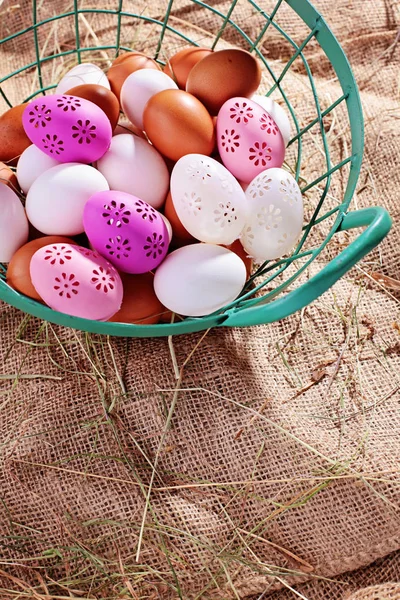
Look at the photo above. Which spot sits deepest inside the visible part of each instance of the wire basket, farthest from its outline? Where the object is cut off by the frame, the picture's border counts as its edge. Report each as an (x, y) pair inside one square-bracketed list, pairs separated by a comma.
[(279, 288)]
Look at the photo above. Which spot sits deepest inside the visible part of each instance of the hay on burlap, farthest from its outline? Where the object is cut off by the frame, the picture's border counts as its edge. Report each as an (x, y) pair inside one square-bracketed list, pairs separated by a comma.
[(389, 591), (284, 438)]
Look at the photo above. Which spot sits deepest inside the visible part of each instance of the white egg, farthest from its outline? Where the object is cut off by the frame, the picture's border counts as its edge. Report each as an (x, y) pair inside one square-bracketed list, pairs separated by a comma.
[(32, 163), (276, 111), (14, 228), (208, 199), (80, 74), (56, 199), (199, 279), (137, 90), (275, 216), (132, 165), (168, 226)]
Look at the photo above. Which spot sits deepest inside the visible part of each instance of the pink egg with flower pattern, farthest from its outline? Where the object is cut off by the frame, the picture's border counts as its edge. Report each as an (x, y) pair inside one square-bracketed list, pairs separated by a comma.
[(130, 233), (249, 140), (67, 128), (76, 281)]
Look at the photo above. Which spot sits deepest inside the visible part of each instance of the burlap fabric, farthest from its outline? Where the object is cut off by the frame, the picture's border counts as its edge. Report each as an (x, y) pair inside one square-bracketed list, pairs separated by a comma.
[(278, 469)]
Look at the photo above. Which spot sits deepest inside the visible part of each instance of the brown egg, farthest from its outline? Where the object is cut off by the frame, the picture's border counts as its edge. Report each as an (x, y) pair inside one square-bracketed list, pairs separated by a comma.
[(170, 164), (18, 276), (13, 139), (140, 304), (180, 64), (238, 249), (166, 316), (176, 123), (8, 177), (215, 151), (100, 95), (177, 228), (126, 64), (223, 75), (122, 57)]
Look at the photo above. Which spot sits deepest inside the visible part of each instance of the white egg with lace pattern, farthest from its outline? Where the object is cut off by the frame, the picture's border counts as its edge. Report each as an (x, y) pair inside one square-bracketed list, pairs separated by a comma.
[(208, 200), (275, 215)]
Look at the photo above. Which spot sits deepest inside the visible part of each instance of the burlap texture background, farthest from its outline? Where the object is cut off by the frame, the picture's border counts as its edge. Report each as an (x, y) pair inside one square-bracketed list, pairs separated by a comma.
[(280, 465)]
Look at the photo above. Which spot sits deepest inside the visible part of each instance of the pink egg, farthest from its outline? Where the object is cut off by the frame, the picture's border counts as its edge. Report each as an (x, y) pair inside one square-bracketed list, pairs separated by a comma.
[(130, 233), (76, 281), (67, 128), (249, 140)]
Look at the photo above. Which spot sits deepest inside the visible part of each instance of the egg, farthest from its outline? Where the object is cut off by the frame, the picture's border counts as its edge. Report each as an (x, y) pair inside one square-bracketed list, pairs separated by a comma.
[(126, 64), (125, 126), (8, 177), (199, 279), (32, 163), (167, 316), (170, 163), (223, 75), (248, 138), (67, 128), (275, 217), (34, 233), (177, 123), (178, 229), (56, 199), (278, 114), (132, 165), (140, 304), (238, 249), (167, 225), (137, 90), (76, 281), (180, 64), (13, 139), (126, 230), (80, 74), (18, 274), (100, 95), (13, 224), (208, 200)]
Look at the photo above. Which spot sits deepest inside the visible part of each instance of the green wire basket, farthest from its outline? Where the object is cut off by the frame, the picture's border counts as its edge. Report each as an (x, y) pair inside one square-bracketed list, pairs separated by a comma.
[(280, 288)]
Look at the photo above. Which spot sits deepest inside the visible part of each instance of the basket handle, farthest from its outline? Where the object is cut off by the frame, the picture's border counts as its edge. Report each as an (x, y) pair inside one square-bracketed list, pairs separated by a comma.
[(377, 222)]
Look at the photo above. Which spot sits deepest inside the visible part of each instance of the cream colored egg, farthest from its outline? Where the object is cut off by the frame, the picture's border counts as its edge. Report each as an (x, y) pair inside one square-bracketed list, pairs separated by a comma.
[(199, 279), (137, 90), (275, 218), (14, 227), (168, 226), (208, 200), (132, 165), (32, 163), (80, 74), (56, 200)]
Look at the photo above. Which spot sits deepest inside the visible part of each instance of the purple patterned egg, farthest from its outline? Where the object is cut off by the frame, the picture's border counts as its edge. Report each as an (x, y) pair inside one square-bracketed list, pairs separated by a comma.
[(67, 128), (127, 231), (249, 140)]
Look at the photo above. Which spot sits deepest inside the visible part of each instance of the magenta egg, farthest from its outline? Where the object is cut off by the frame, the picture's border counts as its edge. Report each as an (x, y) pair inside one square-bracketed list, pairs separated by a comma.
[(67, 128), (127, 231), (249, 140), (76, 281)]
